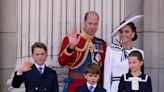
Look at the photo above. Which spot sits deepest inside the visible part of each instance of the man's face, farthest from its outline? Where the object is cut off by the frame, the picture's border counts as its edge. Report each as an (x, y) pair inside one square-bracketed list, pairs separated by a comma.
[(39, 55), (92, 78), (91, 24)]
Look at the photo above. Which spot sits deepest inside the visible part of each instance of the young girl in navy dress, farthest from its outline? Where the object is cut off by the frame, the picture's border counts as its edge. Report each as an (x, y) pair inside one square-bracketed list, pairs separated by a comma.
[(135, 80)]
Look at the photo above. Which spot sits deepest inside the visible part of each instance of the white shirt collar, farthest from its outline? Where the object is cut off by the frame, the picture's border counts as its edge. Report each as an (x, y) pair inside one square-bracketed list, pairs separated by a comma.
[(94, 86), (38, 66)]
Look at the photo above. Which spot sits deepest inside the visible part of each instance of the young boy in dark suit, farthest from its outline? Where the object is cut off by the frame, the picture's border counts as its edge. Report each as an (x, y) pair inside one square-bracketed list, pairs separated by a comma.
[(37, 77), (92, 75)]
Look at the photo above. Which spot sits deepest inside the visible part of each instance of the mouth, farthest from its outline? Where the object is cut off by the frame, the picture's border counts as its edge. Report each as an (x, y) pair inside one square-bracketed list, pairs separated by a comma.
[(124, 38)]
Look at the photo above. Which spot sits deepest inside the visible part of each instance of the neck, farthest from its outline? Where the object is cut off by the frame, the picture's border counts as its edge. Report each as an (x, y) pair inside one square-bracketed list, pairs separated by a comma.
[(39, 64), (135, 74), (86, 36), (127, 45)]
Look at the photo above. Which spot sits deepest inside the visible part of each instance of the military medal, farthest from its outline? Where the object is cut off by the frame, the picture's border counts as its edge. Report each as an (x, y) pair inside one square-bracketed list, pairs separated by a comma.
[(98, 57)]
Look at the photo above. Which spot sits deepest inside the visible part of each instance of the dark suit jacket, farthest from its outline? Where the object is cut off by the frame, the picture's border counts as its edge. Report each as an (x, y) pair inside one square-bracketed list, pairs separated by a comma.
[(34, 82), (84, 88)]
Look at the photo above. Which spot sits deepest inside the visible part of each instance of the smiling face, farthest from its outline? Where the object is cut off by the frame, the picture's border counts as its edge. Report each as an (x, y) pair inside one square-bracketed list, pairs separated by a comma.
[(134, 64), (39, 55), (92, 78), (91, 24), (126, 34)]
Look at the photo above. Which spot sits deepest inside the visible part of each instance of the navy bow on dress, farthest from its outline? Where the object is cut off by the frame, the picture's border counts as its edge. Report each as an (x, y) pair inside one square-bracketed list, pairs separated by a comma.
[(116, 44)]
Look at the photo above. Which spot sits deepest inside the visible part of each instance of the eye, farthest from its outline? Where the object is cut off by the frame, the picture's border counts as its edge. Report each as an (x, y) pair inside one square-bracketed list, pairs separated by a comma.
[(37, 54), (96, 24), (134, 62), (127, 31), (90, 75), (96, 75), (42, 53), (90, 23)]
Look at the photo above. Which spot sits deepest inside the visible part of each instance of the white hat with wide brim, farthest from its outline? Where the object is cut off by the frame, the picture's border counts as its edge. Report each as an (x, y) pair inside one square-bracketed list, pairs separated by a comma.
[(133, 19)]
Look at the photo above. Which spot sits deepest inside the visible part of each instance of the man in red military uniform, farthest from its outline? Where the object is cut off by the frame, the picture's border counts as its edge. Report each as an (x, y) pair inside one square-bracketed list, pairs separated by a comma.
[(79, 50)]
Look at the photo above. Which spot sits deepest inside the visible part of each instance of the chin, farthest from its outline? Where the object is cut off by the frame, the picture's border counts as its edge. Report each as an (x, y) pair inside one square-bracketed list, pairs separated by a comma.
[(93, 83), (40, 63), (133, 70)]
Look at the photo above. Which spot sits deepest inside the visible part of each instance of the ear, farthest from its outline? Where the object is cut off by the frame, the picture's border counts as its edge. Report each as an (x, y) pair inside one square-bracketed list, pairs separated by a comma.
[(133, 34), (141, 62), (99, 76), (32, 55), (84, 22), (85, 75), (46, 54)]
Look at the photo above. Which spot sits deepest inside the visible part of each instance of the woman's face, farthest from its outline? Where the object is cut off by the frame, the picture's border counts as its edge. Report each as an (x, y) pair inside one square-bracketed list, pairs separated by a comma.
[(126, 34)]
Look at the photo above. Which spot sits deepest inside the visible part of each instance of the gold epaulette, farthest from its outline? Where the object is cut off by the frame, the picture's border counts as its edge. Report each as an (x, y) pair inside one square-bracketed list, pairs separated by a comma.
[(87, 38)]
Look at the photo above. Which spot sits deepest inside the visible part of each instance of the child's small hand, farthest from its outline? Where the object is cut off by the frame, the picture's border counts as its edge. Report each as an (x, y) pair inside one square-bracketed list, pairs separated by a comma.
[(25, 67)]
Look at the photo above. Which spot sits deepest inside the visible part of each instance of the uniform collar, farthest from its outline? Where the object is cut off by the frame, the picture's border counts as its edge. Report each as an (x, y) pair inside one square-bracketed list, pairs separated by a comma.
[(85, 35)]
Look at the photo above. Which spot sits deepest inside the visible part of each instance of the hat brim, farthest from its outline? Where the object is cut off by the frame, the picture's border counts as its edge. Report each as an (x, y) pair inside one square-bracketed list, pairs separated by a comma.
[(138, 17)]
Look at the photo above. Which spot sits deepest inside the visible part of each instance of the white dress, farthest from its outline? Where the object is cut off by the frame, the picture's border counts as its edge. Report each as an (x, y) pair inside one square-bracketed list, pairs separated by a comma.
[(114, 67)]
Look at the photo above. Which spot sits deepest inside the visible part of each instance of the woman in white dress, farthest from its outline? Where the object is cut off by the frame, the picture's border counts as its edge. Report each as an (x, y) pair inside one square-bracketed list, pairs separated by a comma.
[(116, 62)]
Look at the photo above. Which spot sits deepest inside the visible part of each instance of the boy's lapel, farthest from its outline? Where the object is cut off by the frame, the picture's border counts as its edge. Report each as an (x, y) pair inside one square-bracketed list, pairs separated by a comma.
[(97, 89), (86, 88), (36, 72)]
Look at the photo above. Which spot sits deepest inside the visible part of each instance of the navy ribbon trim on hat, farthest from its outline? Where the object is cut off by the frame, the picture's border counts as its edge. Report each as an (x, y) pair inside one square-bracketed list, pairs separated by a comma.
[(116, 44)]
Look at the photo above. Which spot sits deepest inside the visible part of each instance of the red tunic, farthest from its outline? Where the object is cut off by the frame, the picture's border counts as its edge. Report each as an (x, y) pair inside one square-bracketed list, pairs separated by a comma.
[(75, 59)]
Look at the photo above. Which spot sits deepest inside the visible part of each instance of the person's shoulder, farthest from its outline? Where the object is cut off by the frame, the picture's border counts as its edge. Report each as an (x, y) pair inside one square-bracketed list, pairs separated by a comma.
[(65, 37), (113, 50), (99, 40), (126, 75), (50, 70), (138, 49), (145, 76), (109, 48), (101, 89), (80, 88)]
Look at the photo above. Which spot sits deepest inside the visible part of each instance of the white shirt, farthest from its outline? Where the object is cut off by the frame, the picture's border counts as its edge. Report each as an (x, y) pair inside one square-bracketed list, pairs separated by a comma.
[(43, 67), (94, 86)]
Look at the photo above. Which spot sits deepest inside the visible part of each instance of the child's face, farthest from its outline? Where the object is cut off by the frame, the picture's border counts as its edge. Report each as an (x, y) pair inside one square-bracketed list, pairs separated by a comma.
[(134, 64), (92, 78), (39, 55)]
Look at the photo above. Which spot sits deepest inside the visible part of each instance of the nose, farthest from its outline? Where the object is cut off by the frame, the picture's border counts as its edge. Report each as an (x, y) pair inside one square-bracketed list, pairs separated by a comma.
[(93, 78), (123, 34), (40, 56), (92, 26)]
